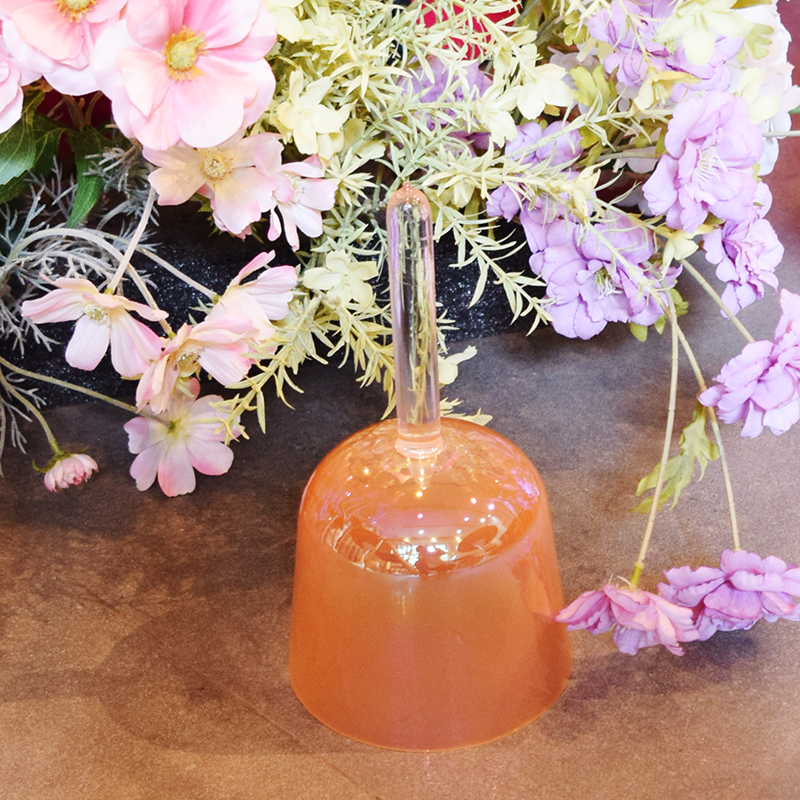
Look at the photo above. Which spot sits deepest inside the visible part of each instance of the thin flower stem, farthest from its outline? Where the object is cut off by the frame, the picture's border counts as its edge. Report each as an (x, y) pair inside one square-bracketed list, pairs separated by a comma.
[(709, 290), (673, 392), (726, 475), (67, 385), (175, 271), (712, 415), (132, 244), (17, 395)]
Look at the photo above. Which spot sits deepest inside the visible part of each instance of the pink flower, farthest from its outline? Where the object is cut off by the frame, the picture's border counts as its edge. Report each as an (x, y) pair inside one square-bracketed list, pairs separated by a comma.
[(55, 38), (187, 70), (188, 436), (262, 300), (761, 386), (745, 589), (69, 469), (639, 619), (220, 346), (12, 79), (102, 319), (301, 194), (226, 174)]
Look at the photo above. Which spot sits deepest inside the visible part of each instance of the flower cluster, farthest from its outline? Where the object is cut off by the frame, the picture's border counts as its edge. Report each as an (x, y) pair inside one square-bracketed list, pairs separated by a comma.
[(178, 431), (612, 139), (693, 605)]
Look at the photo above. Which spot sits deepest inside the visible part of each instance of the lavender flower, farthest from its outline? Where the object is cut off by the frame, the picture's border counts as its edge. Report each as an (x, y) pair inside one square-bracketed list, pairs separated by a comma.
[(745, 589), (639, 619), (594, 273), (636, 54), (746, 253), (559, 149), (711, 149), (761, 386)]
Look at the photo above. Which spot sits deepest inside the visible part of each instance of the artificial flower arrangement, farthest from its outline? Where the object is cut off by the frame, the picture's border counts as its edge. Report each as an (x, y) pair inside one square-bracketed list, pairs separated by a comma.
[(612, 138)]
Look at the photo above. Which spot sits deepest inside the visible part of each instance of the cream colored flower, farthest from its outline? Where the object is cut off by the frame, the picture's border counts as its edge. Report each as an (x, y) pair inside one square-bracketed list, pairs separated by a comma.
[(493, 111), (286, 18), (448, 365), (314, 127), (343, 279), (698, 24), (541, 85)]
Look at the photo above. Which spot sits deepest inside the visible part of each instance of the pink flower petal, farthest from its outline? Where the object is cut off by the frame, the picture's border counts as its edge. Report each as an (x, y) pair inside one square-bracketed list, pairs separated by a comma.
[(145, 467), (133, 345), (210, 458), (175, 473), (88, 344)]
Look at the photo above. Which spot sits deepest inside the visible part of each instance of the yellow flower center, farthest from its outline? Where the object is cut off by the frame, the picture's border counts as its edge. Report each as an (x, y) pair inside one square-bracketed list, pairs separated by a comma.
[(215, 165), (187, 362), (74, 9), (96, 313), (181, 53)]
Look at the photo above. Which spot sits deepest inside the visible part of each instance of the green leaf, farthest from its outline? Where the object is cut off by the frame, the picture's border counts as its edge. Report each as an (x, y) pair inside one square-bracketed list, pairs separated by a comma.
[(85, 144), (17, 151), (27, 145), (639, 331), (696, 448)]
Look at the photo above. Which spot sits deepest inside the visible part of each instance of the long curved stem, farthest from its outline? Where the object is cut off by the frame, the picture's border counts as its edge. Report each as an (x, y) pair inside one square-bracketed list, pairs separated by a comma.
[(67, 385), (712, 415), (709, 290), (673, 392), (132, 244)]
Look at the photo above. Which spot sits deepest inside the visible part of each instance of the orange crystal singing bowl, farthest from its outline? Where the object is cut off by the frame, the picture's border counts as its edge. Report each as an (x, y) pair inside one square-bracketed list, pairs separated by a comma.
[(423, 611), (426, 582)]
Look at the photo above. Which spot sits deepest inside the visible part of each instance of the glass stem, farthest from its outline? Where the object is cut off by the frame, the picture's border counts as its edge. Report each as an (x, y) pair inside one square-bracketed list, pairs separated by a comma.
[(416, 348)]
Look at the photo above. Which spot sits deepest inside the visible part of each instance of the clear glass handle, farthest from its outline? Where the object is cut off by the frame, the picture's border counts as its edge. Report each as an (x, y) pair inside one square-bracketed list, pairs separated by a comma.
[(413, 297)]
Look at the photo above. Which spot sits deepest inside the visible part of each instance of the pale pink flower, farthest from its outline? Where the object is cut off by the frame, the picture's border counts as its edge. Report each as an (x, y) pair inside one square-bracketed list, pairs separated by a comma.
[(220, 346), (12, 79), (188, 436), (225, 174), (187, 70), (301, 193), (103, 319), (262, 300), (69, 469), (55, 38)]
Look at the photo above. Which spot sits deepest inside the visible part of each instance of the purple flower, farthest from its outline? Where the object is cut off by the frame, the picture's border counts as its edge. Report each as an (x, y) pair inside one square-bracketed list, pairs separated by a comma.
[(639, 619), (593, 273), (636, 55), (558, 149), (761, 385), (745, 589), (711, 148), (746, 254)]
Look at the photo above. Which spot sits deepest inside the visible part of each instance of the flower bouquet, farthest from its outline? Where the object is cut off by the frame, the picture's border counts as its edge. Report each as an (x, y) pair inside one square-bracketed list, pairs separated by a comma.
[(597, 145)]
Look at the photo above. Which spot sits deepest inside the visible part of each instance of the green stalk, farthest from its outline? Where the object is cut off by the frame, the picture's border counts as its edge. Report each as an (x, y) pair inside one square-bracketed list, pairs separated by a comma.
[(673, 391)]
